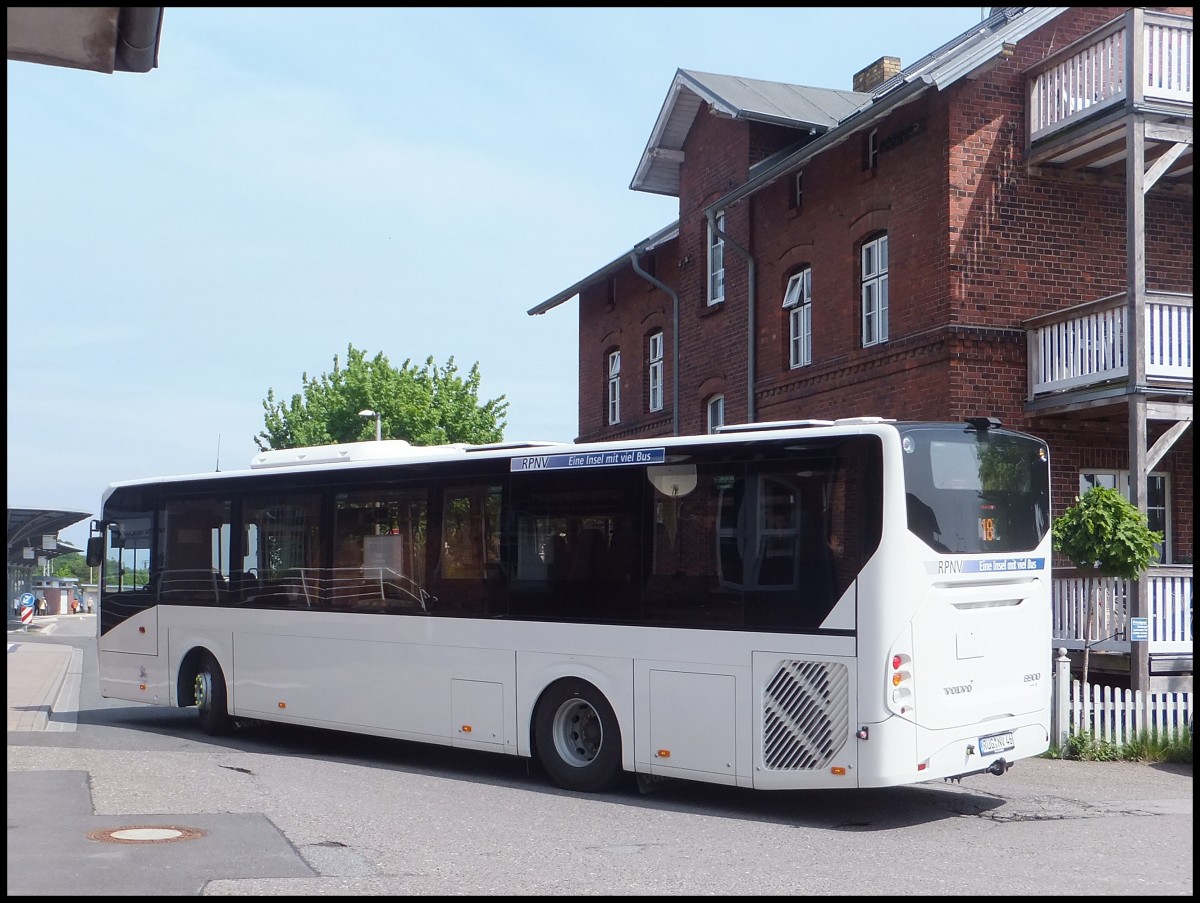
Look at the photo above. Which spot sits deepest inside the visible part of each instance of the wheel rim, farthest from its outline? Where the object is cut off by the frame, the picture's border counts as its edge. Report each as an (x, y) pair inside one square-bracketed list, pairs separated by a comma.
[(203, 690), (578, 733)]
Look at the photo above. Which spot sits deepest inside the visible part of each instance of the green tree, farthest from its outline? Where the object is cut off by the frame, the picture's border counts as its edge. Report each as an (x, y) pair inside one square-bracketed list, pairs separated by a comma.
[(1105, 534), (427, 405), (72, 565)]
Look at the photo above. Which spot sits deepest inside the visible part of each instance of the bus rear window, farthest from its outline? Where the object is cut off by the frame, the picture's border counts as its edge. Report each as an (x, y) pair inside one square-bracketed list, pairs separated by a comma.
[(974, 491)]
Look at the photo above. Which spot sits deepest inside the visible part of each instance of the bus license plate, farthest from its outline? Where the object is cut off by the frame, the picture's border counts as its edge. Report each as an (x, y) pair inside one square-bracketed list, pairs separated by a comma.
[(996, 743)]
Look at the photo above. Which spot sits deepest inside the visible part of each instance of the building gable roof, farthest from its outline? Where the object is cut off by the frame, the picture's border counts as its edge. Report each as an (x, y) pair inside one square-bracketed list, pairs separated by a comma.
[(816, 110), (966, 56), (813, 110), (831, 115)]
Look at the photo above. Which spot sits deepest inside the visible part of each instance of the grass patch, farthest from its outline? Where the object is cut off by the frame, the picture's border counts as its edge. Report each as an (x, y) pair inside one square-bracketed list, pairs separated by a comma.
[(1084, 746)]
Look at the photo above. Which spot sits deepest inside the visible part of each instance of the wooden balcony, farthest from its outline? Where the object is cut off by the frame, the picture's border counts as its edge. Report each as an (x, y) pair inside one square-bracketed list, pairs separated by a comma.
[(1086, 346), (1080, 97), (1169, 640)]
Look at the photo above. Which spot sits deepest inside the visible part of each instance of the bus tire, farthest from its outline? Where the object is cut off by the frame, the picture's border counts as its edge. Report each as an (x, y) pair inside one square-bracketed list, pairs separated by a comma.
[(577, 737), (211, 697)]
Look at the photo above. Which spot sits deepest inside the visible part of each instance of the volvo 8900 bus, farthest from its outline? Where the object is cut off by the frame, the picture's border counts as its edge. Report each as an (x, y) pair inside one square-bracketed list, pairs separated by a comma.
[(809, 604)]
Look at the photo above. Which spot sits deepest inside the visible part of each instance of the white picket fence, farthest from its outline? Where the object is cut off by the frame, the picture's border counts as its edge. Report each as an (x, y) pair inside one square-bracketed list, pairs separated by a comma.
[(1112, 715), (1121, 716)]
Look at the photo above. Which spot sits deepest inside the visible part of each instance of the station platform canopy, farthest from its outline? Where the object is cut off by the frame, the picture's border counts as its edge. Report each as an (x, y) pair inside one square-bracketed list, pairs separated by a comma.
[(28, 529)]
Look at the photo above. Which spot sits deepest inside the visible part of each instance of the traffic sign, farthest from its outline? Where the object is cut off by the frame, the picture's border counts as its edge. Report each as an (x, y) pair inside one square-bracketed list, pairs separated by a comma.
[(27, 601), (1139, 629)]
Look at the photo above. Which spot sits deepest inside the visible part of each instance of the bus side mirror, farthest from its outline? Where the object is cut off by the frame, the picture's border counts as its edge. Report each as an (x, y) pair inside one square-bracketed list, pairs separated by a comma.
[(95, 551)]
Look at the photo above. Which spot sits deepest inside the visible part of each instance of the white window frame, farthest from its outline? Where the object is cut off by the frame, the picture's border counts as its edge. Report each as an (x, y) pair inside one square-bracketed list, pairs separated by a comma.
[(614, 387), (874, 257), (1159, 516), (716, 260), (655, 370), (797, 300), (716, 412)]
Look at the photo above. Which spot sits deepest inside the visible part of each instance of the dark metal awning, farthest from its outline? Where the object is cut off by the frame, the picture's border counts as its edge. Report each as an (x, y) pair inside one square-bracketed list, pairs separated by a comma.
[(27, 527)]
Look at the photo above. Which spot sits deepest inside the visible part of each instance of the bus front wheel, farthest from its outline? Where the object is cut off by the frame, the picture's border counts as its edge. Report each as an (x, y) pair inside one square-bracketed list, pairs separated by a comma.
[(577, 737), (211, 697)]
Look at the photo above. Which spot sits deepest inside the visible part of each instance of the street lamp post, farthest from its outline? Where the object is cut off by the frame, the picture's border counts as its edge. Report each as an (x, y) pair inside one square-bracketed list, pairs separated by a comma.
[(367, 412)]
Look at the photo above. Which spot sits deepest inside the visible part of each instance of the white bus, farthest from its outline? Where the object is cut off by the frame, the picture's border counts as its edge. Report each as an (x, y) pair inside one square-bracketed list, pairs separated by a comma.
[(810, 604)]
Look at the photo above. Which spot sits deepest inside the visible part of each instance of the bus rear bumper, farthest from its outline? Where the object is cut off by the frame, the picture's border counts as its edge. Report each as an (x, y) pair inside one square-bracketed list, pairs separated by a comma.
[(970, 754)]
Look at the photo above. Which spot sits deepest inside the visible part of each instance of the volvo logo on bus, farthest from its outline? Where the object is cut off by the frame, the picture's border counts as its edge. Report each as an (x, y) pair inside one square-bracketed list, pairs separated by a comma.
[(956, 691)]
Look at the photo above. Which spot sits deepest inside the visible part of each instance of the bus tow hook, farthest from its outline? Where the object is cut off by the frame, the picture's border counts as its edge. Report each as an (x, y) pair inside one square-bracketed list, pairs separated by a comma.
[(999, 767)]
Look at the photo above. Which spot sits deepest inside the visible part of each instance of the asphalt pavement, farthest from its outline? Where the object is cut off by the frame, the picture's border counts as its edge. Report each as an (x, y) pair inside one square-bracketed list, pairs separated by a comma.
[(89, 814)]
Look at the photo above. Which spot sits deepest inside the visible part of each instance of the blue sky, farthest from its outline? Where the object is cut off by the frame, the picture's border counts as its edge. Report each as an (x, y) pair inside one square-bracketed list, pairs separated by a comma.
[(292, 181)]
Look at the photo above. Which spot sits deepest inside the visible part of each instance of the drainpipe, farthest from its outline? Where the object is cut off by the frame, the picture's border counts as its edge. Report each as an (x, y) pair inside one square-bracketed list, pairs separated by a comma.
[(657, 283), (750, 315), (138, 30)]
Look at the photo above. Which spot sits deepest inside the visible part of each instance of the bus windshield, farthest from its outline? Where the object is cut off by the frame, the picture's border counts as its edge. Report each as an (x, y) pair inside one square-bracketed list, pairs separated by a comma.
[(971, 491)]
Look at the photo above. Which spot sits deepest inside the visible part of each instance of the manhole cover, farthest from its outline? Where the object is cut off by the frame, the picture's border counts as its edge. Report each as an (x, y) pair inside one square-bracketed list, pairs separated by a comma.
[(145, 834)]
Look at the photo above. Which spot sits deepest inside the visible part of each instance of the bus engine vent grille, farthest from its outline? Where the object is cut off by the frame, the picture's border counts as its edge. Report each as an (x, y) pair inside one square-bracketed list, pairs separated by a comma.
[(806, 710)]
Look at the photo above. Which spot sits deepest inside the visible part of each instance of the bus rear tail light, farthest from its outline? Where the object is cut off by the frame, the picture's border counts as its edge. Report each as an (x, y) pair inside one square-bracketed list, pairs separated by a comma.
[(901, 681)]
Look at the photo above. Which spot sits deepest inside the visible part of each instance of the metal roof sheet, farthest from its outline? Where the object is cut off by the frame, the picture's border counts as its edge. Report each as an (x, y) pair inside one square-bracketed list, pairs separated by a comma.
[(797, 106), (27, 526), (646, 244)]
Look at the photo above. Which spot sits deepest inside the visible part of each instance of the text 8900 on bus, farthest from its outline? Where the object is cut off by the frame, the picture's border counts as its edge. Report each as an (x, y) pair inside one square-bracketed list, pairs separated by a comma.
[(816, 604)]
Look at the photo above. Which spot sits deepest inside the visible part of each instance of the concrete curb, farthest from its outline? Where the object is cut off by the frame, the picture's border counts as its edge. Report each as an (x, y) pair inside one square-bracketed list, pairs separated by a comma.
[(36, 674)]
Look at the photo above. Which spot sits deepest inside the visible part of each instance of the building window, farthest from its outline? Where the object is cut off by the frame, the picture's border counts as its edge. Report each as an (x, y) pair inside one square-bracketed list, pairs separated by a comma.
[(716, 412), (649, 264), (716, 261), (614, 387), (1156, 500), (875, 291), (797, 301), (655, 371), (871, 150)]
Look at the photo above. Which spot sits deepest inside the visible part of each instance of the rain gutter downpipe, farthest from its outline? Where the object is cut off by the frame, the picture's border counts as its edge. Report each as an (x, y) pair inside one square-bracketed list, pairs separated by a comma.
[(657, 283), (751, 320), (138, 30)]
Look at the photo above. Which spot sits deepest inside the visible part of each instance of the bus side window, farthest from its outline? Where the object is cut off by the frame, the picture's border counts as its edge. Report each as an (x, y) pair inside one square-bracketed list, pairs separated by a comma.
[(468, 578), (588, 557), (195, 554), (282, 552)]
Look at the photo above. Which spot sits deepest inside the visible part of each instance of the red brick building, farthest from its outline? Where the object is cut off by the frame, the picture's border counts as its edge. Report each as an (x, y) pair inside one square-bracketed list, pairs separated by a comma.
[(964, 235)]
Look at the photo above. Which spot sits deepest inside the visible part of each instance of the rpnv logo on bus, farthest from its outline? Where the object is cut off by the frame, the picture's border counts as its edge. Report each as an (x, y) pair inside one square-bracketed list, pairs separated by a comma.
[(612, 458), (983, 565)]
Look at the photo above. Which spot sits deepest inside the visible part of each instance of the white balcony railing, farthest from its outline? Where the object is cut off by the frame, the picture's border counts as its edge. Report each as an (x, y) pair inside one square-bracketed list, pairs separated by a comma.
[(1087, 344), (1169, 608), (1093, 74)]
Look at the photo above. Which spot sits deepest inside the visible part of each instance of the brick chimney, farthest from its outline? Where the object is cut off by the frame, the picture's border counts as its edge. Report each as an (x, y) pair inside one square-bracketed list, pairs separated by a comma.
[(866, 80)]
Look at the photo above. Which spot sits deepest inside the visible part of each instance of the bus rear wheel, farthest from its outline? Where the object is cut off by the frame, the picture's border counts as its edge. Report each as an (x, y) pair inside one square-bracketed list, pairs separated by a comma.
[(211, 697), (577, 737)]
